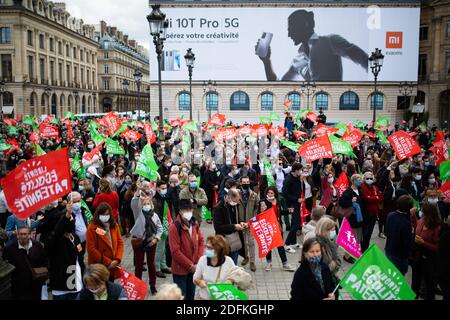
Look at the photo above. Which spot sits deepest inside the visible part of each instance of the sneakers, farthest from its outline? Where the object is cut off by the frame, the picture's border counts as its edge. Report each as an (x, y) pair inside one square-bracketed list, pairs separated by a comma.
[(245, 262), (166, 271), (153, 290), (159, 274), (289, 249), (252, 266), (268, 267), (297, 245), (382, 236), (288, 267)]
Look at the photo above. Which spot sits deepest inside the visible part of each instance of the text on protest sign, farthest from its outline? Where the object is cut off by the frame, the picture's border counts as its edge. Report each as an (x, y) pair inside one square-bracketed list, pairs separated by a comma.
[(404, 145), (266, 231)]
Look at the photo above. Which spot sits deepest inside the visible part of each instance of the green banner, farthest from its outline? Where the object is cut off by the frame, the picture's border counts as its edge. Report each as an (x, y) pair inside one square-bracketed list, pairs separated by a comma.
[(4, 147), (226, 292), (121, 129), (291, 145), (69, 115), (382, 137), (190, 126), (165, 222), (444, 170), (274, 117), (342, 129), (76, 164), (206, 214), (12, 130), (81, 173), (114, 147), (382, 121), (186, 144), (87, 211), (374, 277), (264, 120), (340, 146), (55, 121), (146, 165), (268, 168), (96, 136), (359, 124), (39, 151), (93, 125)]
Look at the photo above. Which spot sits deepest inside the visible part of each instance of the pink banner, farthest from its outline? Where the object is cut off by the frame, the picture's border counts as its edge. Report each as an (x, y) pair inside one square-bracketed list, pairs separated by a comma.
[(347, 240)]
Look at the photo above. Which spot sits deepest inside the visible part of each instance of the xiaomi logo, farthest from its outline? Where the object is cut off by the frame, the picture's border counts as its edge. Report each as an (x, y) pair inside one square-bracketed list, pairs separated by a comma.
[(394, 40)]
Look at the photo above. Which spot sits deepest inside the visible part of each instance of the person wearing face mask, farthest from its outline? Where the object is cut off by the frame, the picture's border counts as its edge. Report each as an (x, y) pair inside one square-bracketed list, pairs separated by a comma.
[(313, 280), (326, 234), (308, 187), (352, 198), (98, 287), (330, 194), (431, 182), (87, 194), (186, 246), (103, 240), (211, 182), (173, 194), (79, 214), (196, 196), (372, 198), (65, 251), (164, 168), (213, 267), (417, 185), (161, 201), (147, 233), (388, 186), (106, 194)]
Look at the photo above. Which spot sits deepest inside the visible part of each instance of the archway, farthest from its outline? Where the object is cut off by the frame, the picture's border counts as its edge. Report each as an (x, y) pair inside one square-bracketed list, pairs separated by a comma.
[(54, 105), (83, 105), (444, 109), (107, 105)]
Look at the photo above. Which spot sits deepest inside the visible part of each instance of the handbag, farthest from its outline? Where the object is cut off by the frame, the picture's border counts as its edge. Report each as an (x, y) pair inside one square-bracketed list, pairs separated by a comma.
[(39, 274), (233, 239)]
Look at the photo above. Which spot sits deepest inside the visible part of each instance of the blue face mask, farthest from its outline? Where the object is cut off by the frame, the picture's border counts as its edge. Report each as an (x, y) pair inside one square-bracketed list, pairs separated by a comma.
[(210, 253), (332, 235), (358, 183), (163, 192), (315, 260), (193, 185)]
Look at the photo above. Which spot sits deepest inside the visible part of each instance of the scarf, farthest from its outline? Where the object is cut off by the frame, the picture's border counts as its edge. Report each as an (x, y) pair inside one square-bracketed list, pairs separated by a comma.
[(359, 216), (317, 271), (150, 226)]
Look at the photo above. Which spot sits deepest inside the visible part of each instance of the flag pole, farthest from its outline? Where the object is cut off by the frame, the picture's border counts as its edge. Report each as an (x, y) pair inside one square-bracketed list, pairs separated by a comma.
[(336, 289)]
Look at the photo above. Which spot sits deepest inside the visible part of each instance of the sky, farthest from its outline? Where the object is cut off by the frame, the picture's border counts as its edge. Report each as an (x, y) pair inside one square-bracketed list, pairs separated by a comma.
[(129, 16)]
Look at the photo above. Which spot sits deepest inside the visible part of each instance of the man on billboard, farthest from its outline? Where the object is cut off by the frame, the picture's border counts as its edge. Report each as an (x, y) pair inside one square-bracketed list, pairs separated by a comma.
[(319, 57)]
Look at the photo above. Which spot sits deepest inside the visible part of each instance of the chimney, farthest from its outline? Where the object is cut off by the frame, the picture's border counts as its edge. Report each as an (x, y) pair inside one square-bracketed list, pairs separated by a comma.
[(132, 43), (60, 5), (125, 39), (103, 28), (113, 31), (120, 35)]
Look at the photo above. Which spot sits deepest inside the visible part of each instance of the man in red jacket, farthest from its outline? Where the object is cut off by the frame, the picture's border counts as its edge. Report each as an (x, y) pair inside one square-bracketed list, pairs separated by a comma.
[(186, 246), (372, 198)]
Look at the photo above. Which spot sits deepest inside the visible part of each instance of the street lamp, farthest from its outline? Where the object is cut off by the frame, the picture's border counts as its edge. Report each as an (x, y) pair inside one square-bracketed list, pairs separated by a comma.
[(190, 59), (376, 62), (126, 86), (308, 88), (209, 86), (158, 29), (149, 105), (138, 78), (406, 90)]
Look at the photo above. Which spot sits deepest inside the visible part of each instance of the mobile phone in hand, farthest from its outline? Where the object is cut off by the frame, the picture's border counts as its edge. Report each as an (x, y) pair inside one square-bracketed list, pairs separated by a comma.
[(263, 44)]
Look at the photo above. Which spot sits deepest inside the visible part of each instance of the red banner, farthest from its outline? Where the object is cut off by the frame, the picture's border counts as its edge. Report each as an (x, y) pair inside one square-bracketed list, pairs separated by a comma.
[(404, 145), (34, 137), (370, 135), (70, 131), (245, 131), (304, 212), (299, 134), (47, 131), (149, 133), (278, 131), (260, 130), (112, 123), (96, 150), (217, 120), (316, 149), (37, 183), (223, 134), (131, 135), (350, 127), (323, 130), (313, 117), (135, 288), (446, 191), (10, 122), (353, 137), (342, 183), (267, 232)]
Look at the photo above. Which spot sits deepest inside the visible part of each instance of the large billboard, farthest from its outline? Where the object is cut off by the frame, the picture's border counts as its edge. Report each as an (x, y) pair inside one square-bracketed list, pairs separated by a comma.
[(290, 44)]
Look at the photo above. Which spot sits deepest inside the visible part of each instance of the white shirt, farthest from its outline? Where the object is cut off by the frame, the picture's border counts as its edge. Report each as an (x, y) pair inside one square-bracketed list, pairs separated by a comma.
[(210, 273), (28, 247), (80, 226), (3, 204), (308, 193)]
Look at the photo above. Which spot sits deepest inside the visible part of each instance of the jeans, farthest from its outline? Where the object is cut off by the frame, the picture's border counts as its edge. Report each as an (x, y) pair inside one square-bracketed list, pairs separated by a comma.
[(66, 297), (281, 252), (424, 269), (160, 260), (401, 264), (249, 245), (139, 255), (186, 284), (295, 226), (234, 256), (368, 227)]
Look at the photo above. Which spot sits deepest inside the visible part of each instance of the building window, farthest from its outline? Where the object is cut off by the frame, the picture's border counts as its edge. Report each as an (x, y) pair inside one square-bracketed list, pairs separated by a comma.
[(60, 73), (379, 101), (60, 48), (322, 101), (423, 33), (422, 66), (67, 50), (32, 102), (31, 68), (87, 57), (74, 53), (106, 84), (82, 75), (420, 98), (239, 101), (8, 98), (81, 55), (69, 79), (403, 102), (30, 37), (42, 69), (62, 101), (106, 69), (51, 45), (6, 67), (349, 101), (267, 101), (52, 70), (212, 101), (106, 55), (447, 63), (295, 99), (448, 29), (41, 41), (184, 101), (75, 74), (5, 35)]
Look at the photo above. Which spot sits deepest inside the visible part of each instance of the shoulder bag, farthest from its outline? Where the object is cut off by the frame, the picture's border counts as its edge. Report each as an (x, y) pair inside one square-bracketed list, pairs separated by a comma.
[(233, 239), (39, 274)]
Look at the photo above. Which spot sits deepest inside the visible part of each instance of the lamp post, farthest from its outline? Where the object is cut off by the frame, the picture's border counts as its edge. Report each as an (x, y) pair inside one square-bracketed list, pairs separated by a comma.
[(190, 59), (406, 90), (376, 62), (209, 86), (149, 105), (308, 88), (158, 29), (126, 86), (48, 91), (138, 78), (75, 94), (2, 90)]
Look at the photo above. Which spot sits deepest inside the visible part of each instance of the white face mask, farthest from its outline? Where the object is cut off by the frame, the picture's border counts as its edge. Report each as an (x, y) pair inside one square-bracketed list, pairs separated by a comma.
[(187, 215), (104, 218), (433, 200), (233, 204), (330, 180)]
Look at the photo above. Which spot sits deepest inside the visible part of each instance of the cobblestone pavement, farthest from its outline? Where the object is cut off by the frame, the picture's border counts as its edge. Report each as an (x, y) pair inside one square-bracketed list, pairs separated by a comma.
[(274, 285)]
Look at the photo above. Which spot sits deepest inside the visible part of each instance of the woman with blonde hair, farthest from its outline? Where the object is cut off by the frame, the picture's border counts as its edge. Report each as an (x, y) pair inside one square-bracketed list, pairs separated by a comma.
[(98, 287), (326, 234), (169, 292)]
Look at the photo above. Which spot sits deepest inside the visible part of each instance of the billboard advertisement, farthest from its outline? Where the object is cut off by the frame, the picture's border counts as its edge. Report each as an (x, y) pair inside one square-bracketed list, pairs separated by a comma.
[(290, 44)]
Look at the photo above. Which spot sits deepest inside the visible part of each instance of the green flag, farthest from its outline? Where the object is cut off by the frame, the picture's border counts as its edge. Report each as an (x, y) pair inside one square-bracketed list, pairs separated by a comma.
[(70, 115), (28, 120), (268, 168), (186, 144), (342, 129), (165, 222), (264, 120), (93, 125), (359, 124), (122, 129), (87, 211), (374, 277), (55, 121), (82, 173), (146, 165), (340, 146), (12, 130), (190, 126), (39, 151), (97, 137), (58, 148), (291, 145), (382, 137), (206, 214), (226, 292), (274, 117), (444, 170), (114, 147), (302, 113), (76, 164), (382, 121), (4, 146), (422, 127)]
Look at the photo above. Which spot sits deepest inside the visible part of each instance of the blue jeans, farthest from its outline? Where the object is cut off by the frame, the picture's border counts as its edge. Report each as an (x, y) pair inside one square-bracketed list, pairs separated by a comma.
[(401, 264), (368, 227), (295, 225), (234, 256), (186, 284)]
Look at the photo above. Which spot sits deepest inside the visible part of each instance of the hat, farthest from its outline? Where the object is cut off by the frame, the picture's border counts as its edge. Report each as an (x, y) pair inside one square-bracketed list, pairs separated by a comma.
[(185, 204)]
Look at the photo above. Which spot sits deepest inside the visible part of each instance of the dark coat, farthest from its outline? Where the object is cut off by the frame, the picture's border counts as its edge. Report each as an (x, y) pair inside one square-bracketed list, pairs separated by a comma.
[(23, 285), (399, 235), (346, 201), (305, 286), (164, 172), (49, 222), (63, 255), (444, 256), (173, 195), (224, 219), (292, 190)]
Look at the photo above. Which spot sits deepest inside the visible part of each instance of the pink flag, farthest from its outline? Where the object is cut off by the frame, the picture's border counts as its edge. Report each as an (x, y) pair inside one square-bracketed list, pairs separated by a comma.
[(347, 240)]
